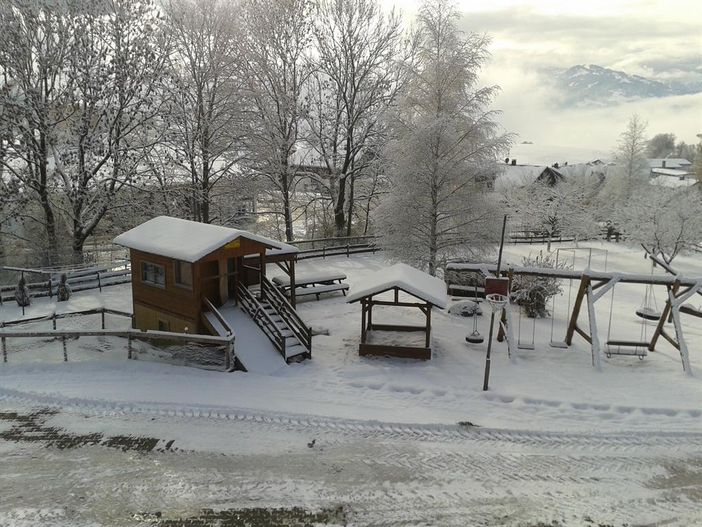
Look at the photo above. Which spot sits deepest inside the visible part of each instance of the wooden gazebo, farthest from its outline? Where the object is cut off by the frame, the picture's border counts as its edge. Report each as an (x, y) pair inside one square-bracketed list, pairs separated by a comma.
[(391, 287)]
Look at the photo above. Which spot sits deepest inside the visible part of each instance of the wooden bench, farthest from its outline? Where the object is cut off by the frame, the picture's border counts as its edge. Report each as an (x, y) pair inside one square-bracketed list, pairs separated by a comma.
[(319, 279), (319, 289), (468, 291)]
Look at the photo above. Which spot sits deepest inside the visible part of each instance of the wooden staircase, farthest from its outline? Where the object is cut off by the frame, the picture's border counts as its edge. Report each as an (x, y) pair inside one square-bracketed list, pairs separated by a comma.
[(278, 320)]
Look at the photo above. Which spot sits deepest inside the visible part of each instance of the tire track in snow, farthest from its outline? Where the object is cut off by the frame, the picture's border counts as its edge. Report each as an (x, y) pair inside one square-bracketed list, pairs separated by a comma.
[(671, 441)]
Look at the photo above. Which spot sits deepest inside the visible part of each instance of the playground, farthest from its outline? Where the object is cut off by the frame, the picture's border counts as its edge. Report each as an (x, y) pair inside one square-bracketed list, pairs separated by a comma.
[(541, 385), (160, 433)]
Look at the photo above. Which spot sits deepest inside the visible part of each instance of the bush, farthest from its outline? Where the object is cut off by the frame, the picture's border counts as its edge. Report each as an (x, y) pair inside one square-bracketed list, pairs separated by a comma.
[(533, 292)]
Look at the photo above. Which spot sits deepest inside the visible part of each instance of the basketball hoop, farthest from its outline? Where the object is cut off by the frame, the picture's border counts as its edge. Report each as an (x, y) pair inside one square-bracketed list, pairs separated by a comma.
[(497, 301)]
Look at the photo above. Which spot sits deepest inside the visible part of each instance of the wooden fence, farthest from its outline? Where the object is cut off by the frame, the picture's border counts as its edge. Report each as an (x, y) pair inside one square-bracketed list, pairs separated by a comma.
[(78, 279), (130, 334), (348, 245)]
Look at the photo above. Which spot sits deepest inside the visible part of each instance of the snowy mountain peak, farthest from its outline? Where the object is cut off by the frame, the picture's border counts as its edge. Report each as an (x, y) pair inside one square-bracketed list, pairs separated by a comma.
[(593, 85)]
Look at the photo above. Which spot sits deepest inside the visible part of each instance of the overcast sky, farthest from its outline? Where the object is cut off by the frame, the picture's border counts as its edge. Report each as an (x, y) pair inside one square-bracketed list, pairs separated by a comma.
[(659, 39)]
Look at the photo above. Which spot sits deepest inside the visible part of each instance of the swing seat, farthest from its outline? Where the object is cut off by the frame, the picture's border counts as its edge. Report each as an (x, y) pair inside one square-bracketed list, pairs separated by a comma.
[(640, 348), (648, 313), (560, 344), (475, 338)]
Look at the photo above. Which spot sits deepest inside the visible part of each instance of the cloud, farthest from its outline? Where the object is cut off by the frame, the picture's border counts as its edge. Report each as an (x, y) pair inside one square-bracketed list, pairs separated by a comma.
[(640, 37)]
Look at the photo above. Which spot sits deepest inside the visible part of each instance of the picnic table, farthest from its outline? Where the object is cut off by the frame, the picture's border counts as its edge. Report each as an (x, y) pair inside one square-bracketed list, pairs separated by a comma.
[(313, 284)]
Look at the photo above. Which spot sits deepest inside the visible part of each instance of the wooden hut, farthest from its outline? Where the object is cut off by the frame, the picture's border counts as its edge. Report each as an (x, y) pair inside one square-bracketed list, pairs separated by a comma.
[(398, 286), (550, 176), (179, 266)]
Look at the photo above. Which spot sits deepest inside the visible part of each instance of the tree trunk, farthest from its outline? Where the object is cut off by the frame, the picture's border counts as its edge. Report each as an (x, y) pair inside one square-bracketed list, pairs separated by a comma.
[(287, 213), (339, 215), (349, 223)]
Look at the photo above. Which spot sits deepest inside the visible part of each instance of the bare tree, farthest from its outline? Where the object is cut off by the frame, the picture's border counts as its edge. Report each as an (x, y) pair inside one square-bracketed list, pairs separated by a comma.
[(665, 221), (108, 112), (357, 77), (35, 40), (276, 42), (204, 114)]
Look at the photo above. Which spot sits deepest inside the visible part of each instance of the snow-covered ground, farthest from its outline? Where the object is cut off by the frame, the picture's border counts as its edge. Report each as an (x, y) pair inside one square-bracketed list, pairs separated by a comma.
[(557, 440)]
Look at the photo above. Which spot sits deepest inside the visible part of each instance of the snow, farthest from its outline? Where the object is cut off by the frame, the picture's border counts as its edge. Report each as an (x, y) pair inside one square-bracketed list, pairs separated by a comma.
[(544, 389), (187, 240), (408, 279), (310, 278), (251, 345)]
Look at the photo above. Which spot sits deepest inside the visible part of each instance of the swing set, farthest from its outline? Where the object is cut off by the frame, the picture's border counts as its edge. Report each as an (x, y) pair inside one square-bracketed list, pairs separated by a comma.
[(593, 287)]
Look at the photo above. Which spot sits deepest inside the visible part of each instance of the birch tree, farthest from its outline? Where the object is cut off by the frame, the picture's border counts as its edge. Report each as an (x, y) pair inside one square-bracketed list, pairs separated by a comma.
[(444, 149), (357, 77), (276, 42)]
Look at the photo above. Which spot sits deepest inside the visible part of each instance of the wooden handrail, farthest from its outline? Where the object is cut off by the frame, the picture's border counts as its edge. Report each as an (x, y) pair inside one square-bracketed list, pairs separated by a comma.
[(209, 306), (262, 319), (291, 317)]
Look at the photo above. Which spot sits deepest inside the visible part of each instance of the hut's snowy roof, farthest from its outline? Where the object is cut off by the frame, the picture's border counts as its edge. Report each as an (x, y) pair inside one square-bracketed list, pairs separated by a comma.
[(408, 279), (188, 240)]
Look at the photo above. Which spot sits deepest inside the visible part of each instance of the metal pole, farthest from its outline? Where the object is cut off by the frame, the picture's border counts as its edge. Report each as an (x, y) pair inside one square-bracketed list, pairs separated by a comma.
[(486, 379), (502, 244)]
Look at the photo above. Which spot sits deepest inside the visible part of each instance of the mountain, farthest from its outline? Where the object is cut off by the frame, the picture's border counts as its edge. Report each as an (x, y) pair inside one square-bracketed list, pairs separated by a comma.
[(594, 85)]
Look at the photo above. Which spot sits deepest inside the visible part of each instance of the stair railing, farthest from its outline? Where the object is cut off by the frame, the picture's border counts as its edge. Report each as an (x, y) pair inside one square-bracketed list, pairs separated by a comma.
[(280, 303), (262, 319)]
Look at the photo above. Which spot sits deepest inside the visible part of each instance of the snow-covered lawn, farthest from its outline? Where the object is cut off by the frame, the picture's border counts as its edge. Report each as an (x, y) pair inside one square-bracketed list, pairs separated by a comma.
[(545, 389)]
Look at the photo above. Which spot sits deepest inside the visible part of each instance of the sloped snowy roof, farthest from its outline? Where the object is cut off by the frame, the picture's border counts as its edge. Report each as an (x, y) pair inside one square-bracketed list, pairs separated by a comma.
[(669, 172), (408, 279), (670, 162), (188, 240)]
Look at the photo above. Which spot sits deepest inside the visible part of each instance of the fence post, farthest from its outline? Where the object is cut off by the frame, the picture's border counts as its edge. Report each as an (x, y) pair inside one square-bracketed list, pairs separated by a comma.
[(347, 250), (102, 316), (228, 356), (65, 351), (99, 283), (51, 293), (53, 320), (129, 345), (4, 344)]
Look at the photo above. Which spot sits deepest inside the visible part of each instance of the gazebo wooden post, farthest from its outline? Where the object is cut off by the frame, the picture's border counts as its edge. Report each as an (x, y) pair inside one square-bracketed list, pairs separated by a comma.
[(363, 321), (428, 331), (291, 266), (261, 273), (370, 313)]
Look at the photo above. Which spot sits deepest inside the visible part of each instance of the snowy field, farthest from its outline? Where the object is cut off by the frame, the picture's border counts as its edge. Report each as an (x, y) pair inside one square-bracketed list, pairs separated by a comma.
[(555, 440)]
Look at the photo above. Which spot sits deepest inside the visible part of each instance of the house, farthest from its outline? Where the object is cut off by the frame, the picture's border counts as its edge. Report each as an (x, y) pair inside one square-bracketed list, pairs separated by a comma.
[(670, 162), (182, 269)]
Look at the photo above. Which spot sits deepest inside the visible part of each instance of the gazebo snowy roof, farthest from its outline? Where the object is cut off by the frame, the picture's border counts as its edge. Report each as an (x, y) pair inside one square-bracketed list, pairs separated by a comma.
[(408, 279), (188, 240)]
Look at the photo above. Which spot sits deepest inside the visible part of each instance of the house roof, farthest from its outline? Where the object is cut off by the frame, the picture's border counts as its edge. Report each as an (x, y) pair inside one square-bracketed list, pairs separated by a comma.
[(406, 278), (670, 162), (670, 172), (188, 240)]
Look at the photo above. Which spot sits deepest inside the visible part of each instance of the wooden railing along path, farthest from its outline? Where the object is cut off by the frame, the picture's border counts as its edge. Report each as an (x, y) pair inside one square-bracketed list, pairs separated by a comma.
[(130, 334)]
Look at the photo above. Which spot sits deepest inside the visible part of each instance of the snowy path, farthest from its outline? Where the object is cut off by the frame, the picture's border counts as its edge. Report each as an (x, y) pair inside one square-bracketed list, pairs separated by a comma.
[(379, 473)]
